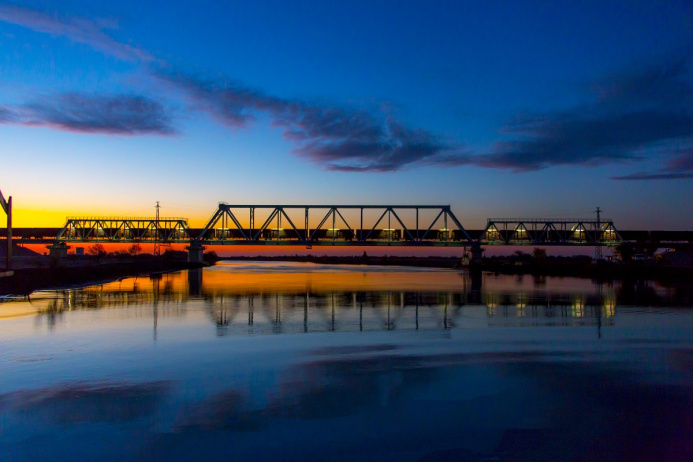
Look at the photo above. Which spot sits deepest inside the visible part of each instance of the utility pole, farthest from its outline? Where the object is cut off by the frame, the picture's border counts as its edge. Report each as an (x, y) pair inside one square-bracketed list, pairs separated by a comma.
[(7, 207), (157, 246), (597, 236)]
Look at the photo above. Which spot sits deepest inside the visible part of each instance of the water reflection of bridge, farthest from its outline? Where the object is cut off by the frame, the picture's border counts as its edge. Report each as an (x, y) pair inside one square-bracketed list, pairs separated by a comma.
[(293, 313), (262, 312)]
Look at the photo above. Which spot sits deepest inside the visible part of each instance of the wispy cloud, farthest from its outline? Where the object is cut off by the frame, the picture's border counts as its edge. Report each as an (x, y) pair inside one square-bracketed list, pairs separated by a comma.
[(106, 114), (678, 167), (79, 30), (633, 111), (334, 137)]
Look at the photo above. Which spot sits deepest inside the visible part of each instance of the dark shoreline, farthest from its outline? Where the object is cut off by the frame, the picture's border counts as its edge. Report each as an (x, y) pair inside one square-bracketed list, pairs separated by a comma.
[(28, 280)]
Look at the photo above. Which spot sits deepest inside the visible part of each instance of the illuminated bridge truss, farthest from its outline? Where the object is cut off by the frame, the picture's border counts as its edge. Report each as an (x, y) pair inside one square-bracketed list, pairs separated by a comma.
[(535, 231), (394, 225), (110, 229), (334, 228)]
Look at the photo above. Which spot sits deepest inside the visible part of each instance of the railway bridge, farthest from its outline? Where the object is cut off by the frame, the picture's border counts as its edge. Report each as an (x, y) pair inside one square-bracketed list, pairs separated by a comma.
[(328, 225), (342, 225)]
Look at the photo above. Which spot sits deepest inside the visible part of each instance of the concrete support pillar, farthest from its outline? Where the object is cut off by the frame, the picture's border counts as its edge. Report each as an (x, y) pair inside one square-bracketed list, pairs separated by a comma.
[(58, 250), (476, 254), (195, 252)]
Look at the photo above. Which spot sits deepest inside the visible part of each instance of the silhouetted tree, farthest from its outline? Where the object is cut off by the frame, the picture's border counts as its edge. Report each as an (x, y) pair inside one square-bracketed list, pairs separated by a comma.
[(210, 257), (135, 249), (97, 250), (625, 251), (539, 253)]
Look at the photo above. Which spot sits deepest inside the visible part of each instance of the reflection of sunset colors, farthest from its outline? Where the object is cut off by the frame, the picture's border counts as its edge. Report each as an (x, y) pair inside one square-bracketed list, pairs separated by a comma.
[(349, 279)]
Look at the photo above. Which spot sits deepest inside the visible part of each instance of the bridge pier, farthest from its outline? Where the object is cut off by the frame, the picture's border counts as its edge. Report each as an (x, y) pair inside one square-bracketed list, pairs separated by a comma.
[(476, 253), (57, 250), (195, 252)]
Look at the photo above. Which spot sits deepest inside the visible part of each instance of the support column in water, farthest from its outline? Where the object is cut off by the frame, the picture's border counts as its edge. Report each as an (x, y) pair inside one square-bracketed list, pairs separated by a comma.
[(195, 252)]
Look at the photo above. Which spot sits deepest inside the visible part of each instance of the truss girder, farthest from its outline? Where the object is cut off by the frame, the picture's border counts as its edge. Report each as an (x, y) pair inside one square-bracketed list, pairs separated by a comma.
[(364, 234), (225, 227), (517, 231), (125, 230)]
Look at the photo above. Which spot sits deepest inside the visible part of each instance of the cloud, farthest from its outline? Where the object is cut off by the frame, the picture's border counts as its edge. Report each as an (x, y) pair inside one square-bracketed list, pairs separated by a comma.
[(679, 167), (633, 112), (107, 114), (331, 136), (79, 30), (654, 176)]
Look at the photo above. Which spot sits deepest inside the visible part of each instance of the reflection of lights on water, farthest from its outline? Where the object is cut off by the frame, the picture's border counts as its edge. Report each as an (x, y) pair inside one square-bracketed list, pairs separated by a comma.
[(578, 309), (521, 301), (521, 304), (609, 307), (491, 300)]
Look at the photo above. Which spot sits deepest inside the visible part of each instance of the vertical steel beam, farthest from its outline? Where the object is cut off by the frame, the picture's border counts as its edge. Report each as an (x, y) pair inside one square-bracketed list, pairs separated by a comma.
[(389, 224), (7, 206)]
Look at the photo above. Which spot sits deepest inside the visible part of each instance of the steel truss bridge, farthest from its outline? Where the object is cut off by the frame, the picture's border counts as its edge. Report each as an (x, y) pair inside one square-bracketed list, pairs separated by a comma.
[(337, 225)]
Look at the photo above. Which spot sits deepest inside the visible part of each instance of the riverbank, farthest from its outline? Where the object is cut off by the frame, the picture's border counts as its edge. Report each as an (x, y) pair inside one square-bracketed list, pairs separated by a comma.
[(78, 271)]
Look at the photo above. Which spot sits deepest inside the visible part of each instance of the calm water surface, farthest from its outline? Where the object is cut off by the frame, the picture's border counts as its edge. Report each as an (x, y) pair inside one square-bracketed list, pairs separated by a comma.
[(259, 361)]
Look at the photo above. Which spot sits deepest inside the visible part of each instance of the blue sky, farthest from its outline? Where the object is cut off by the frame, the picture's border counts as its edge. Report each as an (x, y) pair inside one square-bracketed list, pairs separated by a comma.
[(496, 108)]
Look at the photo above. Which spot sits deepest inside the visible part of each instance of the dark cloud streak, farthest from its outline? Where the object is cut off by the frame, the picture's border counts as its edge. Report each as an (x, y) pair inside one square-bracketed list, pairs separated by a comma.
[(106, 114), (333, 137), (633, 112), (679, 167), (79, 30)]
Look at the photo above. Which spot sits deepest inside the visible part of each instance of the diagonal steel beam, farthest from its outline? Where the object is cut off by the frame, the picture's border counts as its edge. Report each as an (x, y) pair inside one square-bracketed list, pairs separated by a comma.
[(432, 223), (374, 226), (343, 219), (265, 224), (292, 224), (460, 227), (402, 224), (327, 215), (210, 224)]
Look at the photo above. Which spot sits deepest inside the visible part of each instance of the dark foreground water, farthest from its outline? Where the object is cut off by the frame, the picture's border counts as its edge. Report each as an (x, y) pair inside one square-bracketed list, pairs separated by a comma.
[(306, 362)]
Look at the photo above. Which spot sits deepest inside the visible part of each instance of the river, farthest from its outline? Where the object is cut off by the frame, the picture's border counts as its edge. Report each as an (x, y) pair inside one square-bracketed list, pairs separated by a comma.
[(295, 361)]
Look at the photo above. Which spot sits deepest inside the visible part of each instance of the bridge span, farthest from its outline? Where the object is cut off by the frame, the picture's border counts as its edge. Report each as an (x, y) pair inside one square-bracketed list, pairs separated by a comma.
[(343, 225), (387, 225)]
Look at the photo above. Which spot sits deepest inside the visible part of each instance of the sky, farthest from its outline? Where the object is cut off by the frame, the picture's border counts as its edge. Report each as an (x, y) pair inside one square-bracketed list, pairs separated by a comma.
[(499, 109)]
